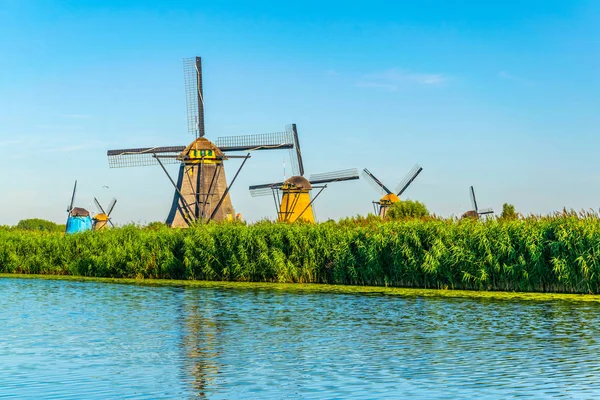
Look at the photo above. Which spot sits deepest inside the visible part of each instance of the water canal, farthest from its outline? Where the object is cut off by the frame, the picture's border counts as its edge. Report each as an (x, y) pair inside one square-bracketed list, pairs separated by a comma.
[(75, 340)]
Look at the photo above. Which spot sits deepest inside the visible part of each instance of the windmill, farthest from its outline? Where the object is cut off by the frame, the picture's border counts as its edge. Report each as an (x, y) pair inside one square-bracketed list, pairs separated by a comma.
[(201, 190), (102, 218), (293, 197), (78, 219), (476, 212), (390, 197)]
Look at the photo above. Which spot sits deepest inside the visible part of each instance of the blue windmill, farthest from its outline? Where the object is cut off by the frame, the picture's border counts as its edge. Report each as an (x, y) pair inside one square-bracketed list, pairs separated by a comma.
[(79, 219)]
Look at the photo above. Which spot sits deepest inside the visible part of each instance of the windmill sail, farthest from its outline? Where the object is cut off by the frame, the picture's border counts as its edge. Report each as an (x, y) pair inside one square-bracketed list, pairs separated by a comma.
[(143, 156), (264, 141), (485, 211), (99, 205), (111, 206), (408, 179), (295, 152), (264, 189), (72, 197), (473, 199), (376, 183), (335, 176), (194, 98)]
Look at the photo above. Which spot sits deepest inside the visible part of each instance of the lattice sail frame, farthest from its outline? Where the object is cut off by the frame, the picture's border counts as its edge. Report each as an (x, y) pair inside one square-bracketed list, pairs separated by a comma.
[(194, 96), (261, 141), (334, 176), (144, 156), (376, 183), (408, 179), (473, 199)]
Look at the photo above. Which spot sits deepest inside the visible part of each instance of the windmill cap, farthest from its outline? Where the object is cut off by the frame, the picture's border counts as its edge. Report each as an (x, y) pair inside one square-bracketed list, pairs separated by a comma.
[(79, 212), (203, 144), (299, 182), (101, 217)]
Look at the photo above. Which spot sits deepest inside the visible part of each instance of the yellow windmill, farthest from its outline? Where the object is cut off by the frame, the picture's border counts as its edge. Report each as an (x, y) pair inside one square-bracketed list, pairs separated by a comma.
[(103, 217), (293, 197), (390, 197)]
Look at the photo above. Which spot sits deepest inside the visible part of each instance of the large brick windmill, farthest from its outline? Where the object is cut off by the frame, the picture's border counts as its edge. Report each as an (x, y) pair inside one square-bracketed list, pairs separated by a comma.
[(293, 197), (390, 197), (201, 189)]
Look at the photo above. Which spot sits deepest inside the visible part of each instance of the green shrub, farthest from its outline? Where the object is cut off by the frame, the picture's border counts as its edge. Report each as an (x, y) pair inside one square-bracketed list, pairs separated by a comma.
[(36, 224), (407, 209), (508, 211)]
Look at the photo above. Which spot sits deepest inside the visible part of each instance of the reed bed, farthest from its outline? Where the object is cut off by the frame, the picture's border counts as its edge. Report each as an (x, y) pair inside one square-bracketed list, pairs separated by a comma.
[(536, 254)]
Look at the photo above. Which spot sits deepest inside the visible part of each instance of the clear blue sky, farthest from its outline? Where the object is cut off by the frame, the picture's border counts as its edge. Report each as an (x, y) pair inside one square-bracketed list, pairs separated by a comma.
[(501, 95)]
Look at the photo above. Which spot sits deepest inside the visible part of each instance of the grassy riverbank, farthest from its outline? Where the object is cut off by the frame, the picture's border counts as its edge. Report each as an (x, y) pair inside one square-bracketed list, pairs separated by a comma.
[(323, 288), (552, 254)]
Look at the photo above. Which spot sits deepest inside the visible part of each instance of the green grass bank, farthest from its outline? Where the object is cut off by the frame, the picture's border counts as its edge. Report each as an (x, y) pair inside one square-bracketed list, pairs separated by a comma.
[(304, 288), (551, 254)]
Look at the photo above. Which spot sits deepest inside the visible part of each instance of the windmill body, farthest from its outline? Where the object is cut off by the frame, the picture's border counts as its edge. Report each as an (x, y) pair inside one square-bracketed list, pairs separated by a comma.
[(294, 197), (201, 182), (296, 204), (476, 212), (78, 219), (201, 189), (389, 197)]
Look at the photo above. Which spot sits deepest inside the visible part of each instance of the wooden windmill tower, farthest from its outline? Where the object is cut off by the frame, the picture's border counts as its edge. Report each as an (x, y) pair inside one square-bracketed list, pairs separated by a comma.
[(475, 213), (201, 189), (293, 197), (390, 197), (102, 218)]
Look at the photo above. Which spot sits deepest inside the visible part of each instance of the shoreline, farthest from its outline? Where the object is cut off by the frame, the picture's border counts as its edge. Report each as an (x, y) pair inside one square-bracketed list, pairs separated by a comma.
[(322, 288)]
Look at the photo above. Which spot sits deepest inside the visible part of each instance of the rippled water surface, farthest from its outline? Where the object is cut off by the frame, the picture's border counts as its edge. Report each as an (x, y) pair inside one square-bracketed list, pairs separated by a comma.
[(84, 340)]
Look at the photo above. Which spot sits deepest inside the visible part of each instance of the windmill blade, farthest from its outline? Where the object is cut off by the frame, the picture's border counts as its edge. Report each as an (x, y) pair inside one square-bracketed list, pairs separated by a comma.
[(143, 156), (261, 192), (73, 197), (264, 189), (263, 141), (335, 176), (194, 97), (99, 206), (266, 185), (295, 152), (408, 179), (473, 199), (485, 211), (111, 206), (376, 183)]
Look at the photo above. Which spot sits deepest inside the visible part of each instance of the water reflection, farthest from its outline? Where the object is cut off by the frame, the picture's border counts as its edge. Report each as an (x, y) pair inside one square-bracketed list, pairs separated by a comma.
[(200, 336), (91, 340)]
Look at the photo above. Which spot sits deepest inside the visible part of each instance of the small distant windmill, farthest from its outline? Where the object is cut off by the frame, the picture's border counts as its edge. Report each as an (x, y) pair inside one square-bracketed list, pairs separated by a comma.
[(475, 212), (390, 197), (293, 197), (78, 219), (103, 217), (201, 190)]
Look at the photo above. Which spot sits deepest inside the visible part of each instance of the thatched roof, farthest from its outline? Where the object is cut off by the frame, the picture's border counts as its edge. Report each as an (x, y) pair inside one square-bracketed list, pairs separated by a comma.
[(79, 212), (299, 182), (470, 214)]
